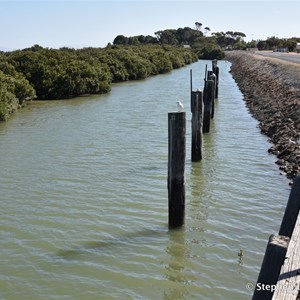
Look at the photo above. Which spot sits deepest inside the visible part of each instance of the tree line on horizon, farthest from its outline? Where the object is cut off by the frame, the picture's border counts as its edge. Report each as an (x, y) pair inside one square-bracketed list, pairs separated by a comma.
[(45, 74), (207, 47), (272, 43)]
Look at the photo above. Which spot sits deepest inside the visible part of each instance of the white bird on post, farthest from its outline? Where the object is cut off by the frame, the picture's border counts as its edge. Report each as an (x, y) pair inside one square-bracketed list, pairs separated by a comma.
[(179, 106)]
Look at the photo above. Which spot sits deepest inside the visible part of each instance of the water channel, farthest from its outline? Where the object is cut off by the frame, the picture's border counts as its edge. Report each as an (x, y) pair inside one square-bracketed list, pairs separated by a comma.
[(84, 197)]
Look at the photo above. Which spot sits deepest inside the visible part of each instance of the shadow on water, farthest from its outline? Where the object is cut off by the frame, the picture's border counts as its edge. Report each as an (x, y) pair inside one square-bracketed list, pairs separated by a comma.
[(177, 251), (142, 236)]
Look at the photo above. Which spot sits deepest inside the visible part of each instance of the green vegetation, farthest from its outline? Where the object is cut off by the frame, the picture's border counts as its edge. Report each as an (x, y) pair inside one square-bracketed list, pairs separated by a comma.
[(14, 89), (205, 47), (274, 43), (44, 73)]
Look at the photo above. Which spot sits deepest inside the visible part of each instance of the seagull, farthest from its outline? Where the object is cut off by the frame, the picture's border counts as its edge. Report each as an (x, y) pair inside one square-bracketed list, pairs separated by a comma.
[(179, 106)]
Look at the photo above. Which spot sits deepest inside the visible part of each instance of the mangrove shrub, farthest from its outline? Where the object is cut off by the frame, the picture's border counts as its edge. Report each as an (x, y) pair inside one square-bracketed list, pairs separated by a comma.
[(63, 73)]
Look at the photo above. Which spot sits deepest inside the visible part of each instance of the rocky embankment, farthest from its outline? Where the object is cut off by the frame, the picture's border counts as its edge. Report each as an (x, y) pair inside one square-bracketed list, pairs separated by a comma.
[(271, 89)]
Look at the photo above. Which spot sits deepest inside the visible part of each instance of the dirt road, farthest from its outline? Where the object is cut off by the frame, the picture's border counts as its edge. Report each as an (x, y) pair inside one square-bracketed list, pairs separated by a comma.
[(289, 57)]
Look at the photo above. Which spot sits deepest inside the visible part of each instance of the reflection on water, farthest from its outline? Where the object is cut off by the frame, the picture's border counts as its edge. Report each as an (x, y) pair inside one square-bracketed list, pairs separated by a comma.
[(177, 261), (84, 197)]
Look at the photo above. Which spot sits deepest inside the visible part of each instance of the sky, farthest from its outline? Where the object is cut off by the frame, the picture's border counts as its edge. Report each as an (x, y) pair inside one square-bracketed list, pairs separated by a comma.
[(95, 23)]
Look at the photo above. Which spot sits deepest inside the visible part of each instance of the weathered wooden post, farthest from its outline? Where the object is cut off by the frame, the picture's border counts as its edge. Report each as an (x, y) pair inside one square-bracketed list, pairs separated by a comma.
[(292, 210), (215, 70), (191, 81), (212, 76), (197, 119), (207, 101), (176, 168), (270, 268)]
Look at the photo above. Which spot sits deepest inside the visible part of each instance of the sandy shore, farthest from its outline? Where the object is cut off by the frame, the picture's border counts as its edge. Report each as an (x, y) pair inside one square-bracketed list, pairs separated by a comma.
[(271, 89)]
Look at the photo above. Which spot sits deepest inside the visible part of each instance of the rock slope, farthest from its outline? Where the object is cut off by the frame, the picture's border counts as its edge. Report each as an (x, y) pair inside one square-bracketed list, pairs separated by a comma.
[(271, 89)]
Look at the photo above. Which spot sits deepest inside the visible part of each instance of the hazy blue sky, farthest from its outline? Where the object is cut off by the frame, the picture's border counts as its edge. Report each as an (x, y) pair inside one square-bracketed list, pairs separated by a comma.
[(84, 23)]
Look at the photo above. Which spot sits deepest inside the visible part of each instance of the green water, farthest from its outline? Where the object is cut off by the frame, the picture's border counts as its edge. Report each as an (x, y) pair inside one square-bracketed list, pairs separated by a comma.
[(84, 197)]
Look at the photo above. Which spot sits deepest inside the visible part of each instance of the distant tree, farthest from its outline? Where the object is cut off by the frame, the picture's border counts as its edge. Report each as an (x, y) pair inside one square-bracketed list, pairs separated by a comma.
[(167, 37), (133, 40), (187, 35), (207, 29), (242, 45), (239, 35), (229, 33), (230, 39), (35, 47), (198, 26), (252, 44), (211, 52), (273, 42), (120, 40), (290, 44), (224, 40), (150, 40), (67, 49), (178, 36), (262, 45)]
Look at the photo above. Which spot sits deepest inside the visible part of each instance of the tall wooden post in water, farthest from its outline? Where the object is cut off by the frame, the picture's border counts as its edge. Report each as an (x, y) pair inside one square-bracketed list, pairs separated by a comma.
[(215, 70), (191, 80), (197, 124), (207, 101), (212, 76), (176, 168)]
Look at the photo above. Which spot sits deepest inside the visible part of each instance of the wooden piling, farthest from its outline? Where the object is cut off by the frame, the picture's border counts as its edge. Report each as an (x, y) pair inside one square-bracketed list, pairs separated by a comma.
[(207, 101), (176, 168), (212, 76), (215, 70), (197, 124), (270, 269), (288, 283), (214, 63), (292, 210), (205, 74), (191, 81)]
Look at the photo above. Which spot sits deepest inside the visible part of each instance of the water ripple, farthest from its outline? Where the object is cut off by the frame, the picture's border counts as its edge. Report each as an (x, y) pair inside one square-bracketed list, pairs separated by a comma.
[(84, 197)]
